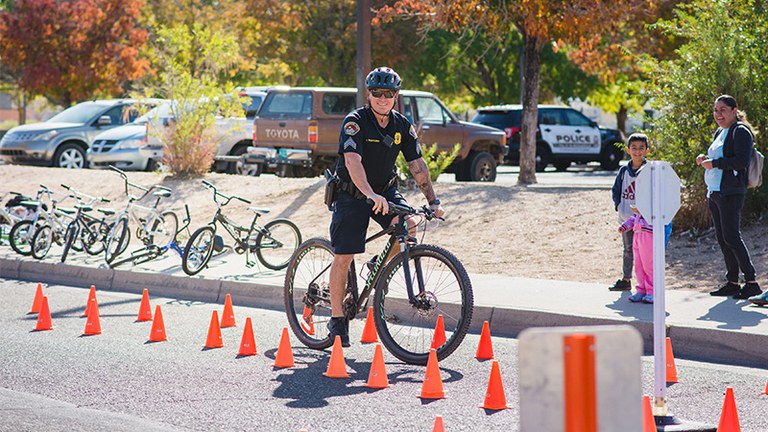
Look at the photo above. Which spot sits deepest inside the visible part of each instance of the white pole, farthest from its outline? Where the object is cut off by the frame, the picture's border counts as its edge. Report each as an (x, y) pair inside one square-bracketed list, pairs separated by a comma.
[(659, 309)]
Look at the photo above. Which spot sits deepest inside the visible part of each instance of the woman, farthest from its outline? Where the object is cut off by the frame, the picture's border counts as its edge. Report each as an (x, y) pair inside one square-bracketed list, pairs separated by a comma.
[(726, 164)]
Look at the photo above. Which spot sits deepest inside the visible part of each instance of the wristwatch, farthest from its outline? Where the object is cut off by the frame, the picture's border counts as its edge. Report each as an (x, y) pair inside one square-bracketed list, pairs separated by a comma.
[(434, 202)]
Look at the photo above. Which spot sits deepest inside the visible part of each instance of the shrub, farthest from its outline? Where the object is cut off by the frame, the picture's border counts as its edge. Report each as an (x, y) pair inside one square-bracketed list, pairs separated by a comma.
[(437, 162)]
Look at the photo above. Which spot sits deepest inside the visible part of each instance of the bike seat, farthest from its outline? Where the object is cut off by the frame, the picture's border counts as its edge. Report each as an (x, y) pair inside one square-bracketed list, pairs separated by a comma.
[(162, 193), (67, 210), (106, 211), (83, 207), (259, 210)]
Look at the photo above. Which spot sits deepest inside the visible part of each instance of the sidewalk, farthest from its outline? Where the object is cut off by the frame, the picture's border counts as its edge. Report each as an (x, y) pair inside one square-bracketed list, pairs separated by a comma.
[(702, 327)]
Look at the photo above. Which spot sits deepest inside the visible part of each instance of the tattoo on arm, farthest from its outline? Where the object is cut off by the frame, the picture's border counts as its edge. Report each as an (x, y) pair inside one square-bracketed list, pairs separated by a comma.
[(420, 173)]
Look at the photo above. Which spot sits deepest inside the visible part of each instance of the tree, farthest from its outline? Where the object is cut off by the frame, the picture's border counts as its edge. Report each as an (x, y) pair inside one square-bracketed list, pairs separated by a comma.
[(538, 22), (72, 50)]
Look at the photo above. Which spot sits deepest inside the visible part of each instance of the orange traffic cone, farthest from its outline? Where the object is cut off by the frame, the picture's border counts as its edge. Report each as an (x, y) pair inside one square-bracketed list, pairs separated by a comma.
[(337, 368), (432, 387), (306, 321), (765, 392), (91, 297), (485, 347), (248, 342), (228, 316), (494, 395), (38, 300), (157, 334), (438, 339), (214, 333), (284, 356), (438, 426), (93, 325), (145, 310), (44, 318), (649, 423), (369, 332), (671, 369), (377, 377), (729, 418)]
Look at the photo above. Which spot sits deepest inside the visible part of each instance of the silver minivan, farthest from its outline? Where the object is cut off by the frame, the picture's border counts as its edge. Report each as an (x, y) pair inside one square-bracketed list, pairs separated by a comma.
[(62, 141)]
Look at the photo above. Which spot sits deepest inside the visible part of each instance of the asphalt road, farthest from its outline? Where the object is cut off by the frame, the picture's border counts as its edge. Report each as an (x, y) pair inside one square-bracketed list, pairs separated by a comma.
[(61, 381)]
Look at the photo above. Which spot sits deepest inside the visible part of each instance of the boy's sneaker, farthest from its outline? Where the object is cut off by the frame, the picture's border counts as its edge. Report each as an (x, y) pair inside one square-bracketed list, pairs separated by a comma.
[(748, 290), (760, 300), (338, 327), (636, 297), (726, 290), (648, 299), (621, 285)]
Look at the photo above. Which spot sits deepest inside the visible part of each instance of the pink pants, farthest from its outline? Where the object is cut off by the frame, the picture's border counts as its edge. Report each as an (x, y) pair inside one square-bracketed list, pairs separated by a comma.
[(642, 249)]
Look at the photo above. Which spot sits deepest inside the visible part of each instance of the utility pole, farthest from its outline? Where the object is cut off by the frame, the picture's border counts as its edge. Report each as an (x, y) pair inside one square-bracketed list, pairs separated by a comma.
[(363, 47)]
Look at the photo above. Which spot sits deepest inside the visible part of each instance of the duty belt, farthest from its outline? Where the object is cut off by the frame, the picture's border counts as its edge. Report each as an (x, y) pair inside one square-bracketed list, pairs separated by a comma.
[(350, 188)]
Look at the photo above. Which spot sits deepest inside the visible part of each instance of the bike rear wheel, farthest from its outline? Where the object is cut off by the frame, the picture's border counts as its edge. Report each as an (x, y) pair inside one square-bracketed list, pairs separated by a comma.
[(20, 237), (198, 251), (277, 243), (164, 229), (70, 236), (94, 236), (117, 241), (41, 242), (407, 330), (307, 292)]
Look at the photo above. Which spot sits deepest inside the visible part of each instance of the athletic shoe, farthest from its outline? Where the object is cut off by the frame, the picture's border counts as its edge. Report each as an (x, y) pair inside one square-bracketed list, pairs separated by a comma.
[(648, 299), (636, 297), (760, 300), (621, 285), (338, 327), (726, 290), (748, 290)]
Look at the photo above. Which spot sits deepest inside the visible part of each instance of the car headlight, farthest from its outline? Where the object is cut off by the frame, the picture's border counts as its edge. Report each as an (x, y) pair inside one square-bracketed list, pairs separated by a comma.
[(45, 136), (130, 144)]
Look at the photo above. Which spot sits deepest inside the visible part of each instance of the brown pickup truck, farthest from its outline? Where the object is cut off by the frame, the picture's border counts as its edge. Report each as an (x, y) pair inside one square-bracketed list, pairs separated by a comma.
[(296, 132)]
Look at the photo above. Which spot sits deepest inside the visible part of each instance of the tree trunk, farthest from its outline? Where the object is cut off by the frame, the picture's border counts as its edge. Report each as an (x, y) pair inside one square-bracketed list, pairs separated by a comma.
[(621, 119), (532, 71)]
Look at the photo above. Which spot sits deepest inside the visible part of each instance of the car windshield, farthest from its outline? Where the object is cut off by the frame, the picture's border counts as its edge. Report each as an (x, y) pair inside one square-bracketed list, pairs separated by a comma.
[(79, 113)]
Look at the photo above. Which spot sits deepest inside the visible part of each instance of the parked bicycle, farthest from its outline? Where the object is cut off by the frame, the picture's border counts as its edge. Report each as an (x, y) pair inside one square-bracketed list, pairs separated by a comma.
[(273, 243), (36, 236), (88, 232), (410, 291), (12, 212), (151, 252), (20, 236), (155, 229)]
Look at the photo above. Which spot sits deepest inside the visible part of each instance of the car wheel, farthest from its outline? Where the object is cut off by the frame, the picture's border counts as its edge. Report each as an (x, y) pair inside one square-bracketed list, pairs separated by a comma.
[(482, 167), (70, 156), (543, 156), (562, 165), (611, 157), (151, 165)]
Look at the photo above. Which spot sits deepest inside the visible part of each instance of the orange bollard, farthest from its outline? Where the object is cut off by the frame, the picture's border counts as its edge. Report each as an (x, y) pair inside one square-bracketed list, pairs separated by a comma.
[(580, 384), (494, 395), (93, 325), (671, 368), (432, 387), (284, 356), (91, 297), (369, 332), (485, 347), (377, 377), (438, 426), (248, 342), (729, 418), (438, 339), (214, 333), (44, 317), (37, 302), (145, 310), (228, 316), (157, 334)]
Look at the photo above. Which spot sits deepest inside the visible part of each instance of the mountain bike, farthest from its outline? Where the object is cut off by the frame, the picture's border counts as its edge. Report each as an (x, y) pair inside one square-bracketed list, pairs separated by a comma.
[(156, 229), (273, 243), (410, 291), (88, 232)]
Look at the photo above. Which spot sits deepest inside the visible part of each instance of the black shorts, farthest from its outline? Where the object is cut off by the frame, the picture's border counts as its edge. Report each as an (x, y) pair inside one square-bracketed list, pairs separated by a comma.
[(351, 216)]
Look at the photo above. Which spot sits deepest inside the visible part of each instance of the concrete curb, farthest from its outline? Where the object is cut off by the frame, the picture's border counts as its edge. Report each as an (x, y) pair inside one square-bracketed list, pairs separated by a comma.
[(738, 347)]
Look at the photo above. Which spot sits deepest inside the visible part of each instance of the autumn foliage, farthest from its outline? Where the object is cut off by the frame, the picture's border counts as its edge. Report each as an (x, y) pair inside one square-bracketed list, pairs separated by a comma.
[(74, 49)]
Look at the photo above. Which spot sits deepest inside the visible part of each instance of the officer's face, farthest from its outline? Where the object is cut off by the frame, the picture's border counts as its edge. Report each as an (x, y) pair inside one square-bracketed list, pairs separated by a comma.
[(382, 100)]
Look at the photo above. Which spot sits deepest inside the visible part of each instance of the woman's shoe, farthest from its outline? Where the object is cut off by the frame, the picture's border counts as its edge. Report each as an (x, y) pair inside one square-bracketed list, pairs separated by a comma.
[(760, 300), (636, 297), (648, 299)]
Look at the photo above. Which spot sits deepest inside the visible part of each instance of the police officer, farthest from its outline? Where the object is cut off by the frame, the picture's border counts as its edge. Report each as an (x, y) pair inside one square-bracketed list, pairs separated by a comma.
[(370, 140)]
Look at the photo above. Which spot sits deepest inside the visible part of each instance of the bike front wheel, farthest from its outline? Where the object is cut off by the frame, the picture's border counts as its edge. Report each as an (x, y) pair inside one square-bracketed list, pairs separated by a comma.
[(70, 236), (307, 292), (117, 241), (441, 287), (94, 236), (20, 237), (276, 243), (198, 251), (41, 242), (164, 229)]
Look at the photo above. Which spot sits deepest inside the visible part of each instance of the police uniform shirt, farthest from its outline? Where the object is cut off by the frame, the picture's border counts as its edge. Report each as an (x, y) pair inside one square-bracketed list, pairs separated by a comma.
[(378, 147)]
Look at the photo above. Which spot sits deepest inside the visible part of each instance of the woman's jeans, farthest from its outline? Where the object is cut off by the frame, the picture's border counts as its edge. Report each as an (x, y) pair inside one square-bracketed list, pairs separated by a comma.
[(726, 216)]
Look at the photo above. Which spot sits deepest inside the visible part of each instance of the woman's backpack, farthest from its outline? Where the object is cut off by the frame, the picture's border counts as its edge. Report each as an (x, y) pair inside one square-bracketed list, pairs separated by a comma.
[(755, 170)]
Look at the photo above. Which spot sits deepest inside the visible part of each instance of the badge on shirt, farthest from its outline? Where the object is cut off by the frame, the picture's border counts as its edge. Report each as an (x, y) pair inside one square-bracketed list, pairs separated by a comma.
[(412, 131), (398, 138), (351, 128)]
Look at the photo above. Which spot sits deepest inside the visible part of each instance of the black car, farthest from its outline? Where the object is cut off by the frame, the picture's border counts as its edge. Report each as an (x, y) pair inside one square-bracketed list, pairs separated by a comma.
[(563, 136)]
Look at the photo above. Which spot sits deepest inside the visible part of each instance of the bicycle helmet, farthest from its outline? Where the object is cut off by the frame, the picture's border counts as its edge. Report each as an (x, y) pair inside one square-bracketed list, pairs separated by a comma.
[(384, 78)]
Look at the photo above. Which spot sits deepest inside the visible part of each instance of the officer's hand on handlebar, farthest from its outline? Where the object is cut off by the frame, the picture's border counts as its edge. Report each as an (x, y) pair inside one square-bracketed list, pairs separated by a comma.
[(437, 209), (379, 204)]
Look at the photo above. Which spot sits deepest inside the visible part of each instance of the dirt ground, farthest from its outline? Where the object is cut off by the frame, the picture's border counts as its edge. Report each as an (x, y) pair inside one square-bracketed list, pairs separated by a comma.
[(546, 233)]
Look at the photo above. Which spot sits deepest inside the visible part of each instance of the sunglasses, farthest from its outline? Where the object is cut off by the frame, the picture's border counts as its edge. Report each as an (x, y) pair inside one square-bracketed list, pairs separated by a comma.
[(388, 94)]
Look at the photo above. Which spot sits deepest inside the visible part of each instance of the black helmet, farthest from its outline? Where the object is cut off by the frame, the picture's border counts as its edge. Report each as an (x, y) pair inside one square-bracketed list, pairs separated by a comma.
[(383, 77)]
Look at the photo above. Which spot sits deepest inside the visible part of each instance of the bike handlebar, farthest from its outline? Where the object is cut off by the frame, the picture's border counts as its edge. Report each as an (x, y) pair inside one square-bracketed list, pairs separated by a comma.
[(227, 199), (82, 197), (403, 210)]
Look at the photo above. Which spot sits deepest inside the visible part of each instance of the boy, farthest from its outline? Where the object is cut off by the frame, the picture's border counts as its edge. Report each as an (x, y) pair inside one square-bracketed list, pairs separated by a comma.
[(624, 197)]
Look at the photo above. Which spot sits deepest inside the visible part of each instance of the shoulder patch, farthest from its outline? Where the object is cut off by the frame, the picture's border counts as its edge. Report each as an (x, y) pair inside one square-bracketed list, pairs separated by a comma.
[(412, 131), (350, 143), (351, 128)]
